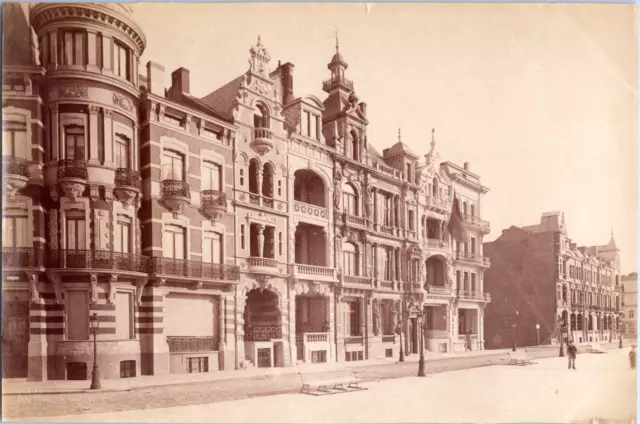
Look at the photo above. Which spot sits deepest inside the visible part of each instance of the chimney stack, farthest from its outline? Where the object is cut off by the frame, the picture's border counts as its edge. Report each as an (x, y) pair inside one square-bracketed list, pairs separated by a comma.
[(180, 81), (155, 78), (287, 83), (466, 166)]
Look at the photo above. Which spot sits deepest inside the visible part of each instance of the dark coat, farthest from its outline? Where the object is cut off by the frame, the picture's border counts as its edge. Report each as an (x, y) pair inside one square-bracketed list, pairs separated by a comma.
[(572, 350)]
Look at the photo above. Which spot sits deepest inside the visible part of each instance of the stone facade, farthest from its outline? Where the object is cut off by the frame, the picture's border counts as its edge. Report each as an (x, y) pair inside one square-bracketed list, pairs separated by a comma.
[(542, 284), (629, 305), (249, 227)]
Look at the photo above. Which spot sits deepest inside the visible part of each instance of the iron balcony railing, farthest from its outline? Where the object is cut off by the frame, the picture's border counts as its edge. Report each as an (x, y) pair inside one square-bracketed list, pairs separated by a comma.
[(176, 188), (194, 269), (128, 178), (73, 168), (97, 259), (12, 165), (337, 79), (213, 198), (263, 333), (22, 257)]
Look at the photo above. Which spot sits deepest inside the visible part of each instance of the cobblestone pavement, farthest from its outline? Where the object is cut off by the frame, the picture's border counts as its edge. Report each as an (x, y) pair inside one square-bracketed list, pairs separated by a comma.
[(603, 387), (15, 407)]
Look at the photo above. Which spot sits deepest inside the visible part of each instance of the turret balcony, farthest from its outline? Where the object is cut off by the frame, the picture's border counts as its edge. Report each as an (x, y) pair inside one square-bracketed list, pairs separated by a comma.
[(176, 194), (477, 223), (327, 85), (214, 204), (262, 140), (127, 185), (16, 172), (72, 177)]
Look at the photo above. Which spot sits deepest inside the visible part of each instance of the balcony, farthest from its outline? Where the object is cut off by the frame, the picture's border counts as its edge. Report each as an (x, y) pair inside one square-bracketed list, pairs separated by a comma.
[(438, 205), (72, 176), (103, 260), (474, 295), (478, 223), (315, 273), (386, 284), (436, 245), (309, 210), (259, 200), (176, 195), (214, 204), (263, 333), (16, 174), (473, 258), (352, 220), (327, 85), (193, 270), (356, 280), (384, 229), (438, 290), (263, 265), (17, 258), (128, 184), (262, 140)]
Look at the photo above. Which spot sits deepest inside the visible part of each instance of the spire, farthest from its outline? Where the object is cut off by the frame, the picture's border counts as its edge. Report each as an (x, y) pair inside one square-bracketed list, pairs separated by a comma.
[(399, 136), (433, 138), (259, 40), (337, 43)]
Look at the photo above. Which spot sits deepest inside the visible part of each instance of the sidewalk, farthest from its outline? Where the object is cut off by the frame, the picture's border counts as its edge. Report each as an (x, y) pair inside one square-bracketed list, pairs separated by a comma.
[(23, 387)]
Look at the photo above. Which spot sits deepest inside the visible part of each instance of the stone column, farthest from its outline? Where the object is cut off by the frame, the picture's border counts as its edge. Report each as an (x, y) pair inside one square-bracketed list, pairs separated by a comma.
[(153, 345), (133, 149), (339, 337), (93, 135), (53, 49), (259, 175), (240, 302), (108, 137), (260, 239), (57, 148), (38, 347), (227, 333), (374, 193), (368, 330), (291, 327), (332, 328), (106, 54), (92, 51)]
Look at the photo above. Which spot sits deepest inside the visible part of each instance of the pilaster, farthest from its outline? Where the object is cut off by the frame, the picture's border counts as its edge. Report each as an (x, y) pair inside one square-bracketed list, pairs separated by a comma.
[(93, 135)]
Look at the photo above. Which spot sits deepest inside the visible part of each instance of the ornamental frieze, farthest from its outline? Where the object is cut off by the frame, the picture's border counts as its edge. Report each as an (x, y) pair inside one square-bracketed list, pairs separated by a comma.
[(73, 91), (122, 101)]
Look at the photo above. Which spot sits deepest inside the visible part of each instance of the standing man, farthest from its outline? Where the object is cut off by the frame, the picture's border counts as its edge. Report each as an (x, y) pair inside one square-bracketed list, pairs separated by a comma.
[(572, 351)]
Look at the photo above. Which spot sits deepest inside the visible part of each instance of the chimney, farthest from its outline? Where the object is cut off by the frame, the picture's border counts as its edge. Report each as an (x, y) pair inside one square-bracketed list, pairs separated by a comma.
[(287, 83), (180, 81), (466, 166), (155, 78)]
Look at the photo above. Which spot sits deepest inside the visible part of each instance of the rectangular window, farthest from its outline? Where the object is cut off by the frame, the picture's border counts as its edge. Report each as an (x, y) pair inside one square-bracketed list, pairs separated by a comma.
[(412, 225), (279, 188), (15, 232), (353, 318), (77, 306), (76, 231), (172, 166), (122, 235), (14, 139), (173, 245), (121, 61), (211, 176), (388, 272), (280, 244), (124, 316), (304, 123), (121, 151), (242, 244), (313, 128), (212, 247), (199, 364), (458, 276), (242, 177), (387, 211), (74, 142), (473, 283), (473, 245)]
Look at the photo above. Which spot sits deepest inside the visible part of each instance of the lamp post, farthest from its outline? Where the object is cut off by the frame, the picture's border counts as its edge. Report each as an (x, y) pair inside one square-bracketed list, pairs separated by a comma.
[(538, 333), (514, 332), (401, 348), (562, 339), (95, 373), (421, 372)]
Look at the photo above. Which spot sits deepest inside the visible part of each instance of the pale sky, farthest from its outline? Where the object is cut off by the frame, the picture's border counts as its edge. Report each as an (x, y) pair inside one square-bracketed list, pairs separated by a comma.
[(541, 100)]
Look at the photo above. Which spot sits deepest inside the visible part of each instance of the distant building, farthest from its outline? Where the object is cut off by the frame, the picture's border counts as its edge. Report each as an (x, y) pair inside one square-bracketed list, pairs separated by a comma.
[(629, 306), (539, 277)]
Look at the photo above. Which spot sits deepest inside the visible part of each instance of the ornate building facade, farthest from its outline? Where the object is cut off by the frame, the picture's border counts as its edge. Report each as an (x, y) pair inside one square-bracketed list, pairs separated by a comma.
[(629, 305), (248, 227), (544, 285)]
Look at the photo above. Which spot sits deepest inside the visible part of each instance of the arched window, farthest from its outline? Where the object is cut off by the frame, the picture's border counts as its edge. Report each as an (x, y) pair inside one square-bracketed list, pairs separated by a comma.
[(473, 210), (355, 145), (254, 167), (464, 208), (349, 200), (434, 188), (261, 117), (350, 259)]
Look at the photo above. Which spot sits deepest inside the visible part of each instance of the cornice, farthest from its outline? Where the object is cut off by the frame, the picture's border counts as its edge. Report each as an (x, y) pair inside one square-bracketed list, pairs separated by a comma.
[(465, 182), (112, 15)]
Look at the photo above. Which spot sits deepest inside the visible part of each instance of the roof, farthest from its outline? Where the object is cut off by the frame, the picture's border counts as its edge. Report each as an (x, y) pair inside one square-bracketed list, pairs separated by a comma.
[(222, 100), (197, 104), (16, 35), (400, 149)]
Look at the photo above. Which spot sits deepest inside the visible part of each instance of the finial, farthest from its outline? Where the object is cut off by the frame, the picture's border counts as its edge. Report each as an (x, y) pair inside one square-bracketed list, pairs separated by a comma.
[(433, 138), (259, 40), (399, 136), (337, 42)]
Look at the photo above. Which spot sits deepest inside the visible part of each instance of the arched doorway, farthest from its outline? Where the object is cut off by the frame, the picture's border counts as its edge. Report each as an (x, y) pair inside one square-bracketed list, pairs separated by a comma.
[(309, 188), (262, 327)]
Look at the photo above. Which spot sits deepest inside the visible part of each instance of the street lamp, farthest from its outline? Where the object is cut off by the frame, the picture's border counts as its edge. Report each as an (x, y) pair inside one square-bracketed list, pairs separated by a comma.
[(95, 373), (421, 372), (514, 332), (538, 333), (401, 348)]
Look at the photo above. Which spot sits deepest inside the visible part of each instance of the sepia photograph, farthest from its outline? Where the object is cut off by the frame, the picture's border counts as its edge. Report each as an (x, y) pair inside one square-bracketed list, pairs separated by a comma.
[(319, 212)]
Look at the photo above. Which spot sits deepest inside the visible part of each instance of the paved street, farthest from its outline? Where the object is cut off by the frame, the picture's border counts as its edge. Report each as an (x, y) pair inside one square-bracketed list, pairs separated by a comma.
[(603, 386)]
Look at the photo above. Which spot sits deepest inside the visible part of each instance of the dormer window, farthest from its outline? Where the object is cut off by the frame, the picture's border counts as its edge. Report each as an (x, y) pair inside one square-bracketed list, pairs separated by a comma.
[(309, 125)]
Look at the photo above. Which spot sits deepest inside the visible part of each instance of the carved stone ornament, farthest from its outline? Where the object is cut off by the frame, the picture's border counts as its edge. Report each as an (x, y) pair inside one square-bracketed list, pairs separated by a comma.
[(376, 316), (53, 192), (113, 279), (140, 284), (198, 285), (122, 101), (73, 91), (57, 287), (72, 190), (33, 288), (94, 288), (94, 192)]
